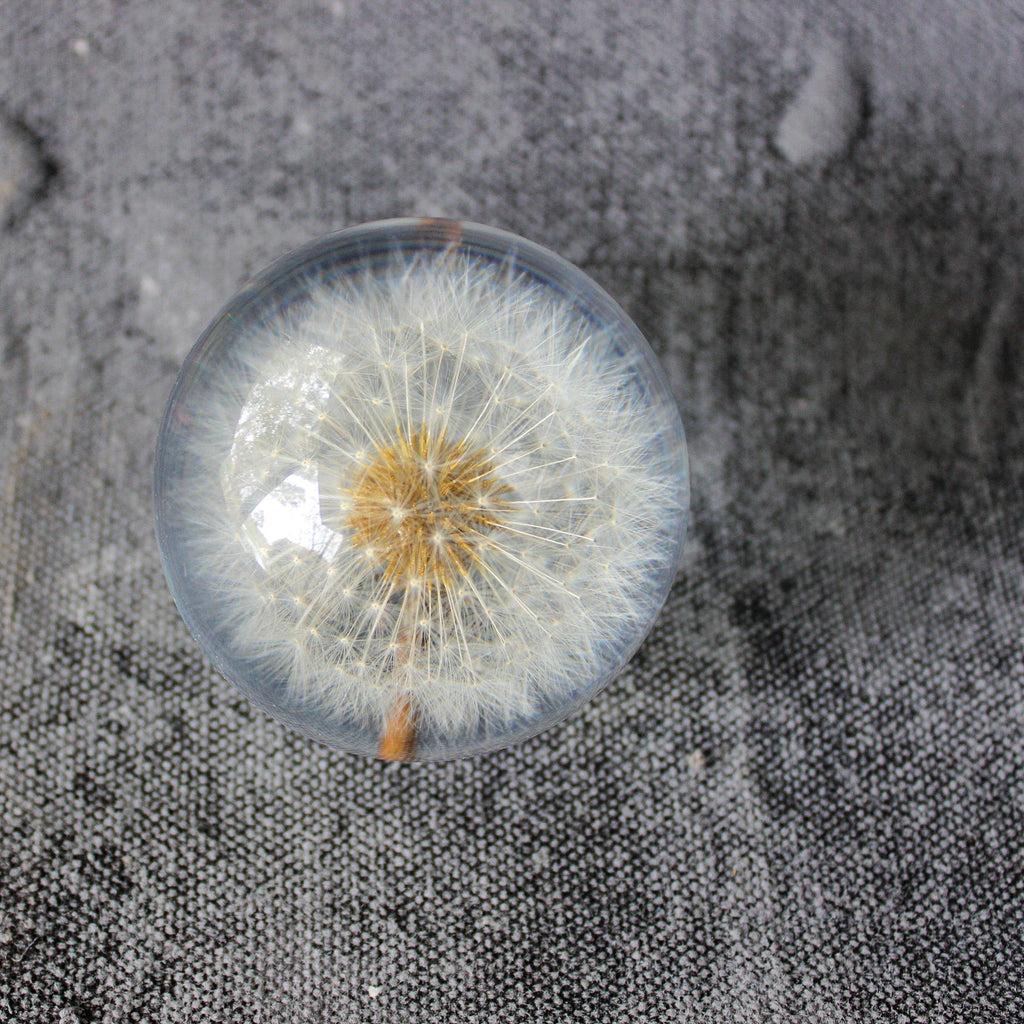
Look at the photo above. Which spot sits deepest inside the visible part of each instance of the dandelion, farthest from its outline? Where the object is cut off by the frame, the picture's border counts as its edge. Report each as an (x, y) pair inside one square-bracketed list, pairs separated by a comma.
[(421, 491)]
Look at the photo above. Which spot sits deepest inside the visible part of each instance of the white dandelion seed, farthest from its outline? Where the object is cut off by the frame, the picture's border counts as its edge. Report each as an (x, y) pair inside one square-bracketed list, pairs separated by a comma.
[(421, 490)]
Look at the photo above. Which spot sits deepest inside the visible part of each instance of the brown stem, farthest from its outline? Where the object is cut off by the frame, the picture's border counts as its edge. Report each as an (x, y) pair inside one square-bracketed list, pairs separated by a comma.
[(398, 740)]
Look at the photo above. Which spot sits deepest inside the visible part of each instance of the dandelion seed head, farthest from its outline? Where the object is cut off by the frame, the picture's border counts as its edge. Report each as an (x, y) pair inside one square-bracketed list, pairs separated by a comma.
[(470, 486)]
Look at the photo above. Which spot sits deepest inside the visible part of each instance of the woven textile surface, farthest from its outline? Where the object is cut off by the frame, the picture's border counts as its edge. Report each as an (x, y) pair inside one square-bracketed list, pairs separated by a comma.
[(804, 799)]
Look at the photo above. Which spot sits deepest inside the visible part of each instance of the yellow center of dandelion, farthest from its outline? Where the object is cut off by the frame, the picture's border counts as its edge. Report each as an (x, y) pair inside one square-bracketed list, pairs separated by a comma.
[(422, 506)]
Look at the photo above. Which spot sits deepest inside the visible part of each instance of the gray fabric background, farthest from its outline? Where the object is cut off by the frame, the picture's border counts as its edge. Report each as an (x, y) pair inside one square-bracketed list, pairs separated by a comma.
[(804, 801)]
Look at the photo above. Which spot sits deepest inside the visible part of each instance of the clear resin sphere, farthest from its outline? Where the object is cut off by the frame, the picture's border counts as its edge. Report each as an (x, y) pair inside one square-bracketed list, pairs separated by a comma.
[(421, 489)]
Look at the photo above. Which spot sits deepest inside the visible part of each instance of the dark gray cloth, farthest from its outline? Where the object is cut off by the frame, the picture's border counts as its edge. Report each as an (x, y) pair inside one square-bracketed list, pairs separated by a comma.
[(804, 800)]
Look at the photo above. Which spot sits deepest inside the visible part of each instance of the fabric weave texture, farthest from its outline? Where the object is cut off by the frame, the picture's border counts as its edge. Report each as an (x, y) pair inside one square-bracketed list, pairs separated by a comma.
[(804, 798)]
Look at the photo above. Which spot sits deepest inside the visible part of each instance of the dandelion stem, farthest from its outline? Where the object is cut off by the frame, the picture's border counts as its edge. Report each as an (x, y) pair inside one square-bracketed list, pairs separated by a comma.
[(398, 740)]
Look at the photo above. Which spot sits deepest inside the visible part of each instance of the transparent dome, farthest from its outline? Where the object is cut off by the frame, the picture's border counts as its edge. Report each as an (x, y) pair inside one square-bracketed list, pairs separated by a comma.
[(421, 489)]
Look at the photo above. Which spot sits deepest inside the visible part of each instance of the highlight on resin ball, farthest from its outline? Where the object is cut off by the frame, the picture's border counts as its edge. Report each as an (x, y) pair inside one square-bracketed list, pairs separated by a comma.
[(421, 489)]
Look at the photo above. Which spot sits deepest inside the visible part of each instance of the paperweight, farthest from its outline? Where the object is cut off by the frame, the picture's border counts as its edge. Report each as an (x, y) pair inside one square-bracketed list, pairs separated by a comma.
[(421, 489)]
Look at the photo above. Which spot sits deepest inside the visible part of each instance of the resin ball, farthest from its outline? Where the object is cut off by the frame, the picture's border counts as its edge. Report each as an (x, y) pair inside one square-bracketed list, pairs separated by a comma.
[(421, 489)]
